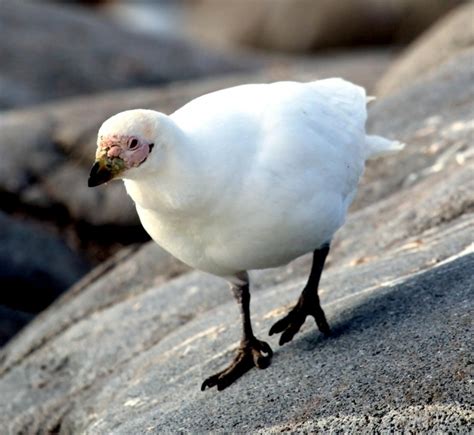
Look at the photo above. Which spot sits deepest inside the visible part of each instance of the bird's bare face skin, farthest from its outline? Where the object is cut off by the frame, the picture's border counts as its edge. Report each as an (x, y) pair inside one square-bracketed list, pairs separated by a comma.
[(115, 154)]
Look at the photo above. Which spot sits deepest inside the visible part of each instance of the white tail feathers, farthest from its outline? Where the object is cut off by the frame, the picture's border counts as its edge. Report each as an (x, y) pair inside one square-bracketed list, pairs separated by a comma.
[(370, 98), (379, 146)]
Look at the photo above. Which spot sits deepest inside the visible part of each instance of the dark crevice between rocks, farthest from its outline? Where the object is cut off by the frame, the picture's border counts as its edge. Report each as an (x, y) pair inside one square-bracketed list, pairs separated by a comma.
[(56, 429), (97, 242), (12, 321), (100, 242), (30, 294)]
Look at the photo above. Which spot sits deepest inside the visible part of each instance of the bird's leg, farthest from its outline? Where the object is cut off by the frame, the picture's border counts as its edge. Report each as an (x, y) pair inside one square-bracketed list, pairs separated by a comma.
[(308, 303), (251, 352)]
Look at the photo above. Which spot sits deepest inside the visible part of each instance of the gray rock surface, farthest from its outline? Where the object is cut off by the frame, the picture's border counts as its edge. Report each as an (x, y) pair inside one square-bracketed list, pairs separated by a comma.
[(57, 50), (126, 350), (454, 33), (306, 25)]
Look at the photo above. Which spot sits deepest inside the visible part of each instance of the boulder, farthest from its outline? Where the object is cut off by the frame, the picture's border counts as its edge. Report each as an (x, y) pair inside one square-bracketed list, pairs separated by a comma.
[(397, 291), (453, 34), (305, 25), (51, 51), (36, 266)]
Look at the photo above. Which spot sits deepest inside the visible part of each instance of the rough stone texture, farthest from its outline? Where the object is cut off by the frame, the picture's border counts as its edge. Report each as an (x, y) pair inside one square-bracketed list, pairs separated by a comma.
[(303, 25), (50, 51), (451, 35), (47, 151), (124, 353)]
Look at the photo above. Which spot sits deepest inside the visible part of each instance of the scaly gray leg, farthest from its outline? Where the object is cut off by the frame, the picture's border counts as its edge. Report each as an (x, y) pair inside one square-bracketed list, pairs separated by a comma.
[(251, 352)]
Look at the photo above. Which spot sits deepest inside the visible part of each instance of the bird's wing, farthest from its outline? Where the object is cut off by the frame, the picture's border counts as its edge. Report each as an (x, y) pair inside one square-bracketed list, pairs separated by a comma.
[(282, 122), (331, 103)]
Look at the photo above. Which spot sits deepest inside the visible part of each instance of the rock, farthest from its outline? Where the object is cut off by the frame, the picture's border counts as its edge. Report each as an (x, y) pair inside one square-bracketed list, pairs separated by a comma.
[(306, 25), (52, 51), (35, 268), (450, 36), (47, 151), (396, 291)]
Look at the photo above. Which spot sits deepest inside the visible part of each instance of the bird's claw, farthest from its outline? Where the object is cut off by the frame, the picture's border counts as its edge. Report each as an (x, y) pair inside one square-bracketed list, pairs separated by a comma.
[(250, 354), (292, 322)]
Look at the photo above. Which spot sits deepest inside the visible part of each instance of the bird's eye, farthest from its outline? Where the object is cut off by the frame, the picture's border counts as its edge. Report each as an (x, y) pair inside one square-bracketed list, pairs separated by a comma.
[(133, 143)]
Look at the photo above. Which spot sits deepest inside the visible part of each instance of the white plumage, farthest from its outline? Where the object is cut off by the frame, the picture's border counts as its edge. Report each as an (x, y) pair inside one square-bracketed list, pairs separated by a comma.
[(253, 176)]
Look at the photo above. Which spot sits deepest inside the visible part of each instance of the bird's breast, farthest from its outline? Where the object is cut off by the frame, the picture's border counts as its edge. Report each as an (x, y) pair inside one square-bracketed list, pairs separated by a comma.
[(185, 238)]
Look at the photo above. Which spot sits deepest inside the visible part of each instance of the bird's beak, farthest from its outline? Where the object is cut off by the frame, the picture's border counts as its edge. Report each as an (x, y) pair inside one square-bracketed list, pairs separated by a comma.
[(105, 169)]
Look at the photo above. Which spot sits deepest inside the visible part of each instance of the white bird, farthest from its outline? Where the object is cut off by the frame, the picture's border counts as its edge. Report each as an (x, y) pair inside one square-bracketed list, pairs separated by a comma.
[(249, 177)]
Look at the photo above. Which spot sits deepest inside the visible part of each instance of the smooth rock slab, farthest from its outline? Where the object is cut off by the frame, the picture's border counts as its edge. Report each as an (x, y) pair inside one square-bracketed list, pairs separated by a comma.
[(382, 370)]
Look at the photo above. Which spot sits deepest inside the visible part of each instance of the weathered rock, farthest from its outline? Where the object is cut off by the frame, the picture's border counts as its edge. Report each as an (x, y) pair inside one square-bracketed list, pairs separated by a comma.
[(397, 291), (35, 268), (51, 51), (453, 34), (304, 25), (47, 151)]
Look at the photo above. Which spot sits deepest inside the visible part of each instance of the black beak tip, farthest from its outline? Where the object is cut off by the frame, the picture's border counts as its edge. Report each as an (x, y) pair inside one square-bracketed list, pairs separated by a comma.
[(91, 182), (98, 175)]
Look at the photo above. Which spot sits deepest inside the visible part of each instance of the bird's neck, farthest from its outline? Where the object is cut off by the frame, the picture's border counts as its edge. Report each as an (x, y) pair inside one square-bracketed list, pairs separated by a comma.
[(168, 185)]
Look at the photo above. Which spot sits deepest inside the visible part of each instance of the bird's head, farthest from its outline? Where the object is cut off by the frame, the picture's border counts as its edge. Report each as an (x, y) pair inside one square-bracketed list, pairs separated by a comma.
[(125, 141)]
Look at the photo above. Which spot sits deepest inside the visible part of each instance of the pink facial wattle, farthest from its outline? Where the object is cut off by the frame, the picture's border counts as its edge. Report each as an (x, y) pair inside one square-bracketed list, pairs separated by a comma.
[(114, 151), (118, 146)]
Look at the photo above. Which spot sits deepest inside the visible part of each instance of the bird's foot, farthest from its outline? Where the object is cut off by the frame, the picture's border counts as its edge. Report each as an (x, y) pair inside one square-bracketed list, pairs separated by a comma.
[(292, 322), (253, 353)]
